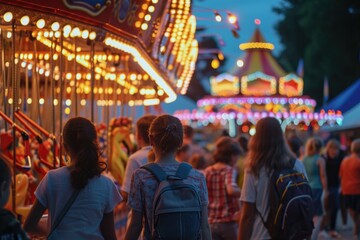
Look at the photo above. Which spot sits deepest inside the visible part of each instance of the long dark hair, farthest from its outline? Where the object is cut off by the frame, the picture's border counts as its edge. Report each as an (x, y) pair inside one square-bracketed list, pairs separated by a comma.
[(268, 147), (166, 133), (80, 139)]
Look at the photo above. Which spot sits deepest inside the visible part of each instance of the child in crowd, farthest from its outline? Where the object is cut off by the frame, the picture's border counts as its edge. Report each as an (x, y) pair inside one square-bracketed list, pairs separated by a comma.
[(95, 196), (140, 157), (198, 162), (223, 190), (166, 136), (10, 228)]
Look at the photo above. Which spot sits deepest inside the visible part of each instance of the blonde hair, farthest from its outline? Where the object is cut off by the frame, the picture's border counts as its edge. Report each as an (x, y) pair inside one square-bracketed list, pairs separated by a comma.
[(313, 146)]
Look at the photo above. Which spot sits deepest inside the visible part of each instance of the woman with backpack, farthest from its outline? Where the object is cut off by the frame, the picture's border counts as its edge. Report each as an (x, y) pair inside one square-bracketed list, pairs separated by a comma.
[(268, 151), (166, 137), (78, 192)]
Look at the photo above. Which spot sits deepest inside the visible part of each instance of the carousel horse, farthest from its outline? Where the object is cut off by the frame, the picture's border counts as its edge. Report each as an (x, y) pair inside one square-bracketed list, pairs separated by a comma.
[(42, 150), (121, 147)]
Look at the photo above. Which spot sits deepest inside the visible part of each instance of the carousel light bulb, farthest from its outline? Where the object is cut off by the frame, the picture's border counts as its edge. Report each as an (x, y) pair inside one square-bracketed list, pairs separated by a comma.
[(8, 34), (75, 32), (40, 23), (41, 101), (240, 63), (56, 102), (57, 34), (8, 16), (55, 26), (25, 20), (67, 30), (85, 34), (92, 35), (29, 101), (151, 9)]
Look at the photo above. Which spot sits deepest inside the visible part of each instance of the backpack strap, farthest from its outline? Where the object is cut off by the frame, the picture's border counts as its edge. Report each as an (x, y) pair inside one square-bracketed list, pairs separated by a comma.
[(156, 170), (183, 170)]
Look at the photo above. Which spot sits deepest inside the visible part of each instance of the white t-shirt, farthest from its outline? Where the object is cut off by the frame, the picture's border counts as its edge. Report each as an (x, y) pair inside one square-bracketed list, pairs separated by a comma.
[(135, 161), (82, 221), (255, 190)]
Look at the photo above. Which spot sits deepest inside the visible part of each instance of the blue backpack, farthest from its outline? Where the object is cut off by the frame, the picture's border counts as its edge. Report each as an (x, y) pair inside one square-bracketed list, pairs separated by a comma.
[(176, 205), (291, 207)]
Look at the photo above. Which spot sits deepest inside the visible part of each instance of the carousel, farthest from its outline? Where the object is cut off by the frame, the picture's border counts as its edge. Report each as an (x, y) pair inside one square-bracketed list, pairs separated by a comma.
[(96, 59), (258, 88)]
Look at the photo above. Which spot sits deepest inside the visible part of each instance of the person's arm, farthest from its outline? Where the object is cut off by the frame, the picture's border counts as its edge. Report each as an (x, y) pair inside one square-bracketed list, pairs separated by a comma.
[(134, 228), (31, 224), (247, 219), (205, 227), (323, 178), (107, 226), (232, 189)]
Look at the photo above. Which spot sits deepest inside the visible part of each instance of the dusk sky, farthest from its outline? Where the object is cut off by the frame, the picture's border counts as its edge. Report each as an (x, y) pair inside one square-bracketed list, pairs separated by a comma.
[(247, 11)]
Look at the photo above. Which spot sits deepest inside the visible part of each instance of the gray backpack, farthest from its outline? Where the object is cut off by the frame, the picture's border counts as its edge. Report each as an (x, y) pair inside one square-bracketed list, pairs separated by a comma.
[(176, 205)]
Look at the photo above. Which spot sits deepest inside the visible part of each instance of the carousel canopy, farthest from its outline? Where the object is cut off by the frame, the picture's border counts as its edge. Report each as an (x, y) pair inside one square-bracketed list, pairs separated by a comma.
[(147, 48), (264, 89), (258, 58)]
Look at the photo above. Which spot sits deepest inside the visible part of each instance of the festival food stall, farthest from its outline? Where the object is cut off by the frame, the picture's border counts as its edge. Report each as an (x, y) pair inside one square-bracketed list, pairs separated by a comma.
[(258, 88)]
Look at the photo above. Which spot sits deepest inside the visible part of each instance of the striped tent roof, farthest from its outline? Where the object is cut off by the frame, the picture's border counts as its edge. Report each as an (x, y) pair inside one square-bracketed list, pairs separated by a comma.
[(258, 58)]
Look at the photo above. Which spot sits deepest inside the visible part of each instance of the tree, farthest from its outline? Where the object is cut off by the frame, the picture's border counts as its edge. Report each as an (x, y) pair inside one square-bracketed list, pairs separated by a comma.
[(326, 34)]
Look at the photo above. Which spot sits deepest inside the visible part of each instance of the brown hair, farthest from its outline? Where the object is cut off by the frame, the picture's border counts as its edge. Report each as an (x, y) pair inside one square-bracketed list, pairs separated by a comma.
[(268, 147), (225, 147), (166, 133), (80, 139), (313, 146), (143, 125), (355, 146), (197, 161)]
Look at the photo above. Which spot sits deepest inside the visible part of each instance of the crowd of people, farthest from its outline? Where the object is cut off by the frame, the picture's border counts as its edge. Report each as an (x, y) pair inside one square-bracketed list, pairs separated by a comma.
[(230, 185)]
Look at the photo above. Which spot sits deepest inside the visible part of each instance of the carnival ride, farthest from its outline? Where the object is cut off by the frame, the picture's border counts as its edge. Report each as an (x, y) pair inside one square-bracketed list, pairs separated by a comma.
[(67, 58), (258, 88)]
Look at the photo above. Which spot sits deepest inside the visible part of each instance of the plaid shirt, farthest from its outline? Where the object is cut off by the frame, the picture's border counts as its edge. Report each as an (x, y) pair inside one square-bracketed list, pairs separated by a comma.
[(222, 207)]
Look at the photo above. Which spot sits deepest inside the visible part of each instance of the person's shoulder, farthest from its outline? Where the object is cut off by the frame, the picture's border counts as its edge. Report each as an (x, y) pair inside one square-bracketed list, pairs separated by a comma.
[(196, 173)]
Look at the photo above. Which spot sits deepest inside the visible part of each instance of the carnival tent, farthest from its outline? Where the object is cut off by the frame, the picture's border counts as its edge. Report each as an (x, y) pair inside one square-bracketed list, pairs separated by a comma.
[(346, 100)]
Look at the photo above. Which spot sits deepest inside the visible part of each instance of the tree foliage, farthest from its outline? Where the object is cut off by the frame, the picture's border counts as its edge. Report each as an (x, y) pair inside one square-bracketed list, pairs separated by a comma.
[(326, 35)]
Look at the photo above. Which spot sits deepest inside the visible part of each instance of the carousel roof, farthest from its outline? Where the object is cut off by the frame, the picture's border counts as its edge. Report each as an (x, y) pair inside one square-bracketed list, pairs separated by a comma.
[(258, 58), (257, 89)]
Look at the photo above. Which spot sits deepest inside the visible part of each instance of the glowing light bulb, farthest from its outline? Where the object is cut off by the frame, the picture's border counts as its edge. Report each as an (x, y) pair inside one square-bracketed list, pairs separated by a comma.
[(40, 23), (55, 26), (8, 16), (25, 20)]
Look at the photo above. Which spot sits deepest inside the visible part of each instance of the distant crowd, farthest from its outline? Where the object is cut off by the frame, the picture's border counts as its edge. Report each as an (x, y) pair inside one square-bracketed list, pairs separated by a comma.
[(265, 186)]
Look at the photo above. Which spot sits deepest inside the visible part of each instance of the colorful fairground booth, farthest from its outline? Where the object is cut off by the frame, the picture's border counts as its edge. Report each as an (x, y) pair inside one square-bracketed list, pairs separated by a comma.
[(259, 87), (95, 59)]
